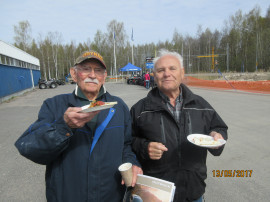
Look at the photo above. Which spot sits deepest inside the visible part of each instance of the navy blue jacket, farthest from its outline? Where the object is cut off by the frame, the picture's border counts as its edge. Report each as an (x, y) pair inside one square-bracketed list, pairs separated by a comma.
[(72, 173)]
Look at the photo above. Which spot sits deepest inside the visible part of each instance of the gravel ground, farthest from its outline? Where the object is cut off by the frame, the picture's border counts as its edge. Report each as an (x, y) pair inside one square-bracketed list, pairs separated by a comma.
[(247, 148), (246, 76), (257, 76)]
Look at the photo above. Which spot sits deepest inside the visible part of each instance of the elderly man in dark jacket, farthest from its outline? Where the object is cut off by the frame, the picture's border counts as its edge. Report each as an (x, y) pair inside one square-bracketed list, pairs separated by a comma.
[(163, 120), (82, 151)]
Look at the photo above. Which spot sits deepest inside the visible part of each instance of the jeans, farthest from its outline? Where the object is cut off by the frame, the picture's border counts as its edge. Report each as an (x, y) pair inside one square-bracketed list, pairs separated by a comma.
[(147, 82), (199, 199)]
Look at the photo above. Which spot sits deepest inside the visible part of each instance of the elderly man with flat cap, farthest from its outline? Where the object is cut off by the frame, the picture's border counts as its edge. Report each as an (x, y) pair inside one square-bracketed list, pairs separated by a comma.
[(82, 151)]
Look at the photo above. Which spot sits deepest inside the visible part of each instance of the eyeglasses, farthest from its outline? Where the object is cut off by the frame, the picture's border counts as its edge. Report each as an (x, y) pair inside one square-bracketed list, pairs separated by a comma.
[(86, 70)]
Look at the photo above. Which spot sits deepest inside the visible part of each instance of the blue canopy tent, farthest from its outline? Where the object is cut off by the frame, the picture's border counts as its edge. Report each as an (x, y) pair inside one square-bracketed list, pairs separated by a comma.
[(130, 68)]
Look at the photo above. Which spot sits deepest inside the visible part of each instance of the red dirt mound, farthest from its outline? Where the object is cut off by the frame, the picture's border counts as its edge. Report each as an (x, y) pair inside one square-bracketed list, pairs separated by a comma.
[(250, 86)]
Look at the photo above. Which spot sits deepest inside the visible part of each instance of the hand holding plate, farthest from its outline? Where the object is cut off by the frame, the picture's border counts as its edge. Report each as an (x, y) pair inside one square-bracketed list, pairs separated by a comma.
[(77, 120)]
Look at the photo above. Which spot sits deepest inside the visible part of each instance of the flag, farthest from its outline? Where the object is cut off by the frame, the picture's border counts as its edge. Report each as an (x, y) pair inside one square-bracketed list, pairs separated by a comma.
[(132, 35)]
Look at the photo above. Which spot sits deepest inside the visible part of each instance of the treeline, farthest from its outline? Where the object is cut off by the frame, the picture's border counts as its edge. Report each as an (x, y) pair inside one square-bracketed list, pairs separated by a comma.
[(242, 45)]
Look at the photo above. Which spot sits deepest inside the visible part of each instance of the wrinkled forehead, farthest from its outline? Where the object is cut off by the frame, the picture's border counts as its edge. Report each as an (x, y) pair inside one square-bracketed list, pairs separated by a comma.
[(167, 61)]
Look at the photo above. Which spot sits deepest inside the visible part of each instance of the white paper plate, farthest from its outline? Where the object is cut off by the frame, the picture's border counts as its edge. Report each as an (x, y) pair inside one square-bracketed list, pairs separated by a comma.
[(192, 136), (97, 108)]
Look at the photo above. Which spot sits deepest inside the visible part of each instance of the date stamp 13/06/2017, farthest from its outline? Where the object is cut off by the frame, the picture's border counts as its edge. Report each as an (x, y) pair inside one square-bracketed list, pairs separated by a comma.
[(232, 173)]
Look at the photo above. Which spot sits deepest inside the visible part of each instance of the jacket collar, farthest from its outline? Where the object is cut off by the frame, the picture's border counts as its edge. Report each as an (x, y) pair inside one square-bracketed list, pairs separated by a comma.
[(188, 95), (80, 94), (155, 102)]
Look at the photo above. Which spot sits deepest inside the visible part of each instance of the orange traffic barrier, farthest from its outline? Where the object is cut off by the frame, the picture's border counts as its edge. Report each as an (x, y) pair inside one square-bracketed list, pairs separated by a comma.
[(250, 86)]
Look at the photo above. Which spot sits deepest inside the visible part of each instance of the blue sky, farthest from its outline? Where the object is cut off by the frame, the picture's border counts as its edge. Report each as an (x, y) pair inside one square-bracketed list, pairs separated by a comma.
[(151, 20)]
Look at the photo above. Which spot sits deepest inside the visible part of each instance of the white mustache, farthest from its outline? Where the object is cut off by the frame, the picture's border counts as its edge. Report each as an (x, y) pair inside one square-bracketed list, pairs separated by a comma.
[(89, 80)]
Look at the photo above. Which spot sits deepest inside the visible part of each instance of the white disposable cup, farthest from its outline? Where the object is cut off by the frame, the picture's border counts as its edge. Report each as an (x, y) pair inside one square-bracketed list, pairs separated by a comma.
[(126, 172)]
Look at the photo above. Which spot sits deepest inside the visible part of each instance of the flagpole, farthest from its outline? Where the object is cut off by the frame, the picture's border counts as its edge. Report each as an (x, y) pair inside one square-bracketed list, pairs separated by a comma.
[(132, 55), (114, 55), (132, 47)]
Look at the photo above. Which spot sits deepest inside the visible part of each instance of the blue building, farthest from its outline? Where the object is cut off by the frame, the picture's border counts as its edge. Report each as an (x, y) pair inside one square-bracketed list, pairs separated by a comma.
[(19, 71)]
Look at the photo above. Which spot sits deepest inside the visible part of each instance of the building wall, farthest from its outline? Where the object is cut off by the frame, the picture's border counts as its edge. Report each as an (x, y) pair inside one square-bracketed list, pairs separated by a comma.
[(15, 79), (11, 55), (19, 71)]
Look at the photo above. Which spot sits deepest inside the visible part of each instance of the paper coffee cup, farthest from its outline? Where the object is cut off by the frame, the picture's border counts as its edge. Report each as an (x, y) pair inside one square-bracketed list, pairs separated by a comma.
[(126, 172)]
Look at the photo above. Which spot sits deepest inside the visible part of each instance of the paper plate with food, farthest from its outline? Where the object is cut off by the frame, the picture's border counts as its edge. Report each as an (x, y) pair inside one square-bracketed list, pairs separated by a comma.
[(97, 105), (205, 141)]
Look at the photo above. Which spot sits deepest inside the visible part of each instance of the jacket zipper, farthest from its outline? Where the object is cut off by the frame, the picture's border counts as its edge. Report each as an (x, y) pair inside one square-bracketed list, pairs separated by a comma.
[(188, 124), (163, 137)]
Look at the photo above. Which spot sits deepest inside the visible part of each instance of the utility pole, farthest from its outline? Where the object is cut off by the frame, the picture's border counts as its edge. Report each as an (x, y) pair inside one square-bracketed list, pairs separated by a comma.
[(256, 44), (199, 60), (227, 57), (256, 51), (182, 50), (132, 55), (212, 56), (132, 39), (114, 54)]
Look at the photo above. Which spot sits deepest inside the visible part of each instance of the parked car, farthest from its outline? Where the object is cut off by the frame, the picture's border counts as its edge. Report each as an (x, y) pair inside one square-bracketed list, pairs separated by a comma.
[(51, 83)]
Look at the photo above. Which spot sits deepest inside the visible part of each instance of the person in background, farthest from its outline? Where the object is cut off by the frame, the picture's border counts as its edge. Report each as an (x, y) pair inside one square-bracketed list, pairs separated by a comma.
[(82, 151), (147, 80), (152, 82), (161, 123)]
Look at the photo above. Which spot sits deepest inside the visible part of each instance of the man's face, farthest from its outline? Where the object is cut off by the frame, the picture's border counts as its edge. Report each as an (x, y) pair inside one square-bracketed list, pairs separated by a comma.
[(168, 74), (90, 76)]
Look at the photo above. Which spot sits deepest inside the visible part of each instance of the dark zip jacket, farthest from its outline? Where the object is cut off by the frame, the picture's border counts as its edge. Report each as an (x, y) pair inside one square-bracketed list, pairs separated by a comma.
[(183, 163), (72, 173)]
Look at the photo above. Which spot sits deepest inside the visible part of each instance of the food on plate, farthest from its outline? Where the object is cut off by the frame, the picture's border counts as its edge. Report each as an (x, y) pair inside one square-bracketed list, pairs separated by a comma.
[(205, 141), (100, 103), (96, 103)]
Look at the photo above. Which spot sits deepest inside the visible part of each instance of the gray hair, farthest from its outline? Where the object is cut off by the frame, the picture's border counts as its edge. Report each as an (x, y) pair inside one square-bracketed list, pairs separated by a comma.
[(164, 52)]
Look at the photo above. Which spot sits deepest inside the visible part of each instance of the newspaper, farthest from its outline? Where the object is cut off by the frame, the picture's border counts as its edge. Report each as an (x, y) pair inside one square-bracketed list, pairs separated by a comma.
[(149, 189)]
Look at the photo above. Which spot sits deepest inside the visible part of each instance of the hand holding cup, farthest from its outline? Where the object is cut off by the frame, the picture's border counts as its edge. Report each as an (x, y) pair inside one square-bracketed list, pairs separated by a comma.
[(126, 172)]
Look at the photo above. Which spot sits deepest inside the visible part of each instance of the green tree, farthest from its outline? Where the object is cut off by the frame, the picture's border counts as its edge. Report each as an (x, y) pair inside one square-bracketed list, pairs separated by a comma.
[(22, 36)]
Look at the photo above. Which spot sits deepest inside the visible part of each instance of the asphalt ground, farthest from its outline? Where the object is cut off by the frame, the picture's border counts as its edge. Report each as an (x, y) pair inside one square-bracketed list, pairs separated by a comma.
[(246, 152)]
